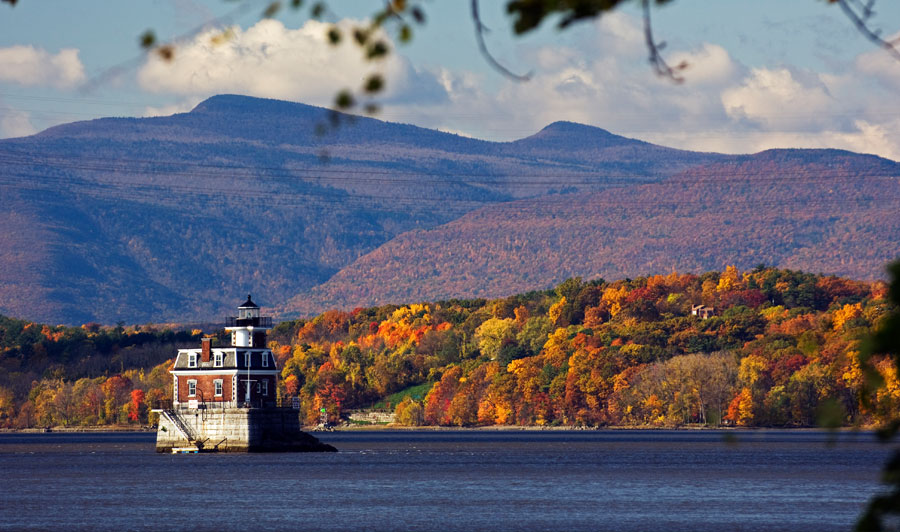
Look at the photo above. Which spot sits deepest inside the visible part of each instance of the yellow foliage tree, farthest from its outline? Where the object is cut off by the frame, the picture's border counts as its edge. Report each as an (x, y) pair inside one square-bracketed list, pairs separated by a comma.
[(556, 310), (750, 369), (845, 314), (409, 413), (613, 297), (729, 280)]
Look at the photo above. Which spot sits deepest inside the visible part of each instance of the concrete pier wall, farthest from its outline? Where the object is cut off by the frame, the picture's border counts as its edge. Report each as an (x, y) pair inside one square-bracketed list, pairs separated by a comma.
[(235, 430)]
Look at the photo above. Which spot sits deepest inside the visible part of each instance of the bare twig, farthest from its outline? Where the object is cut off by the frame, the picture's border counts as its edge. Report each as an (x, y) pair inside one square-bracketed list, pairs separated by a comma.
[(480, 28), (660, 66), (859, 14), (116, 70)]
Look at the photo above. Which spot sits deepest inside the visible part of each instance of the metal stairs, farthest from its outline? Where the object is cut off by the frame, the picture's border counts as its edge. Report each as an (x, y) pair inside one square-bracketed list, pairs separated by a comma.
[(182, 427)]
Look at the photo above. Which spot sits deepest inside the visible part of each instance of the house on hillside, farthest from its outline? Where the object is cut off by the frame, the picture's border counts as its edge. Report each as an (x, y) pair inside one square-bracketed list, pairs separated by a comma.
[(702, 311)]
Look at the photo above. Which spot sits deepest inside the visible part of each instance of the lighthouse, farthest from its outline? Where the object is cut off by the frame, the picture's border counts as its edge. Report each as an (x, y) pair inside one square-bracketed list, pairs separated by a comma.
[(243, 374), (224, 398)]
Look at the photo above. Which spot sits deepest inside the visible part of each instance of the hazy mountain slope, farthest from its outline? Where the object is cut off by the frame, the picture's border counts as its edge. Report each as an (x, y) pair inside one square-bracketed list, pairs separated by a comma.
[(818, 210), (175, 218)]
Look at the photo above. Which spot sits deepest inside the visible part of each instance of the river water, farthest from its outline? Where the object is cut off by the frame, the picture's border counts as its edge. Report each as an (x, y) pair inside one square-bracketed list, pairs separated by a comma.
[(448, 480)]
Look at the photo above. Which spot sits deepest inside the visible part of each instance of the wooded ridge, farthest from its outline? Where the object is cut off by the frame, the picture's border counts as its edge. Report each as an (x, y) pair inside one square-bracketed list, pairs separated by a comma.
[(166, 219)]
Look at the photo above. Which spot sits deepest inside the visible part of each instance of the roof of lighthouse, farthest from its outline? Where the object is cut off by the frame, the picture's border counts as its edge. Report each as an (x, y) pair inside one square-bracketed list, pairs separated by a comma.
[(249, 303)]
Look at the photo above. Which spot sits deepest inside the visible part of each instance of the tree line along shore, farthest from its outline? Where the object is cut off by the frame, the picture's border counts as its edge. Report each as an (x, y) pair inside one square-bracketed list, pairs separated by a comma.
[(765, 347)]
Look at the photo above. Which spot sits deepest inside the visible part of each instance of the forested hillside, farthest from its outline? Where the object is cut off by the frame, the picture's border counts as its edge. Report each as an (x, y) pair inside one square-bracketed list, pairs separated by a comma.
[(167, 218), (824, 211), (173, 218), (777, 348)]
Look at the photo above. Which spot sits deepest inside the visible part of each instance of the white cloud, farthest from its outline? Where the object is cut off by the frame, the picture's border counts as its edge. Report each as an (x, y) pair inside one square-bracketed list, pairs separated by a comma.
[(601, 78), (880, 65), (270, 60), (15, 124), (709, 65), (30, 67), (778, 99), (723, 105)]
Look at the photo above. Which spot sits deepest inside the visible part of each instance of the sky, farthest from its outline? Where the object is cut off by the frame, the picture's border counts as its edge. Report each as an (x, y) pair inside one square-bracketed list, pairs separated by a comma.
[(761, 73)]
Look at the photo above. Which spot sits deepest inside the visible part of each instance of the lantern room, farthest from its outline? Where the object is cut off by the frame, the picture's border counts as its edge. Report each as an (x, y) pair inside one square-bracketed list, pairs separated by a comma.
[(248, 328)]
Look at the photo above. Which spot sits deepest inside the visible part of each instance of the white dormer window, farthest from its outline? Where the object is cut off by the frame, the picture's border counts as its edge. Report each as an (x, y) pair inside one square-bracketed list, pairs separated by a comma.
[(217, 359), (192, 360), (265, 360)]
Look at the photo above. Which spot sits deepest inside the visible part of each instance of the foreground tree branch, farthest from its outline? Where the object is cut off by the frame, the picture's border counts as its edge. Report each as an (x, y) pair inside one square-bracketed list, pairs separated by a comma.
[(861, 14)]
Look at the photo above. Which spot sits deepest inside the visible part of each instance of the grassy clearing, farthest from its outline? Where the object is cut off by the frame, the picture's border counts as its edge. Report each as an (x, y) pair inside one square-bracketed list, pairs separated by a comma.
[(417, 392)]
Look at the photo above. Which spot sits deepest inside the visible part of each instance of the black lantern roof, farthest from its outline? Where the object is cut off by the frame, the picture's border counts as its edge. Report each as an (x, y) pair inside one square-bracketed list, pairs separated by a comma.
[(249, 303)]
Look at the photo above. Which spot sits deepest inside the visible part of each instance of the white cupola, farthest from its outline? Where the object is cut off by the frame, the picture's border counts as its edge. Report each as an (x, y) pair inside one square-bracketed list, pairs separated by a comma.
[(248, 328)]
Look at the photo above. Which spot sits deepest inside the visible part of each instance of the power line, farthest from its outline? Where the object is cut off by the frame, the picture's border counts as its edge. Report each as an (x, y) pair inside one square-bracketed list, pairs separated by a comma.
[(547, 178)]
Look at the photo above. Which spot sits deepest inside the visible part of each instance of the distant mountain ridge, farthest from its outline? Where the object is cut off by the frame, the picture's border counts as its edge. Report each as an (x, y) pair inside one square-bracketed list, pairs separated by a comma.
[(174, 218)]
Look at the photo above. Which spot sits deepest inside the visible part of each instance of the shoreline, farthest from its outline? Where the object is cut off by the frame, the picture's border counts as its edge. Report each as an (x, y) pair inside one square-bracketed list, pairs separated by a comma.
[(434, 428), (100, 428), (573, 428)]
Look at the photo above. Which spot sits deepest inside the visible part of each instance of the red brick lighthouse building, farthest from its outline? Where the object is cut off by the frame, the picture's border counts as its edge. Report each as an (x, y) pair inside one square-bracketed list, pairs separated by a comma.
[(225, 398), (242, 375)]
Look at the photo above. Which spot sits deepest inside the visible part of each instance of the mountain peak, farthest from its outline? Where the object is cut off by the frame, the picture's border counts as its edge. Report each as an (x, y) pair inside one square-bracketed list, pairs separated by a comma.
[(564, 126), (576, 135), (236, 103)]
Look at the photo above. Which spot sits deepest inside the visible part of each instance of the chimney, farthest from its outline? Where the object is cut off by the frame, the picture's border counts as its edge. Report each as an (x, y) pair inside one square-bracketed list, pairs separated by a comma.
[(205, 343)]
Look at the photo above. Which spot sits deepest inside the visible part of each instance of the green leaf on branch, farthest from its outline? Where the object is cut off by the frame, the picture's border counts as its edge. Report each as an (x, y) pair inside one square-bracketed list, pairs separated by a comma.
[(147, 39), (405, 33), (334, 35), (377, 50), (344, 100), (374, 84), (272, 10)]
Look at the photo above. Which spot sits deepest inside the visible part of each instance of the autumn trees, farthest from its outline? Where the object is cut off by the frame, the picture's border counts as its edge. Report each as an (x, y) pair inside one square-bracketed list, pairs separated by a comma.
[(779, 348), (89, 375)]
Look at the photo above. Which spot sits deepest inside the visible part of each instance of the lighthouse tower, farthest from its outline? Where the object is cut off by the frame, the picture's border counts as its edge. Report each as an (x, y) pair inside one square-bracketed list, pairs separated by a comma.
[(248, 329)]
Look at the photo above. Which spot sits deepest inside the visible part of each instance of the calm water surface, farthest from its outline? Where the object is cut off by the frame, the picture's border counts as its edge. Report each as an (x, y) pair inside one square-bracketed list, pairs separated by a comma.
[(447, 480)]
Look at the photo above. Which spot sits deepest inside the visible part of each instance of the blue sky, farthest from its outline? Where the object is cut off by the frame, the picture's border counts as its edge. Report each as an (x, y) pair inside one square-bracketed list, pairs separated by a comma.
[(762, 73)]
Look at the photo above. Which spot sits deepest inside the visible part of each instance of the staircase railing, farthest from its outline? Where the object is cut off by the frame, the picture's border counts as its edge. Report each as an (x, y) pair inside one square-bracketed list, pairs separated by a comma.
[(182, 427)]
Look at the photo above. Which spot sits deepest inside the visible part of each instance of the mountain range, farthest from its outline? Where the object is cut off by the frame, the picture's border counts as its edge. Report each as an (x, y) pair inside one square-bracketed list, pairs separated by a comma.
[(176, 218)]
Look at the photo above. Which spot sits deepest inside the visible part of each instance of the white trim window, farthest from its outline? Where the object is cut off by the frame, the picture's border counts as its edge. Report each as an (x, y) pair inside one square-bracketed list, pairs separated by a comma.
[(265, 388), (192, 360), (219, 388), (217, 359), (192, 388), (265, 360), (248, 359)]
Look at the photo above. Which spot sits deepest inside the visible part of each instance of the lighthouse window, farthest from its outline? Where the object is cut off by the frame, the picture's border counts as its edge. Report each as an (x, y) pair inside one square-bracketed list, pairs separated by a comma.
[(218, 384), (218, 360), (192, 388), (192, 360)]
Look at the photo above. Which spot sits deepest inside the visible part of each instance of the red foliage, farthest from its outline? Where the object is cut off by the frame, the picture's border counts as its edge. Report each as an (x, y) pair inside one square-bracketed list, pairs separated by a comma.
[(134, 408)]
